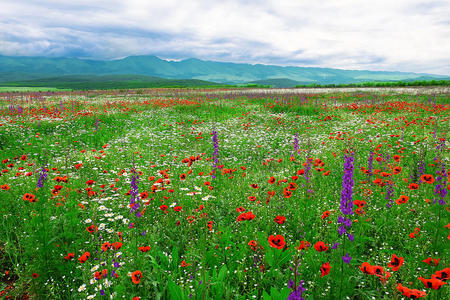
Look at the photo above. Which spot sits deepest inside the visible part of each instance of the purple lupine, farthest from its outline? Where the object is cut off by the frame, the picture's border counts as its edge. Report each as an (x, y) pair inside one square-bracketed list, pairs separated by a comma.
[(370, 166), (42, 176), (421, 168), (440, 188), (347, 258), (389, 194), (296, 147), (308, 165), (297, 293), (96, 125), (215, 153), (346, 206), (134, 194)]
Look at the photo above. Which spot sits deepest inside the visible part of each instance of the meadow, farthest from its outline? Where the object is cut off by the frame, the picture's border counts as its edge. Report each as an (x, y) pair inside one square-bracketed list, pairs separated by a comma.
[(224, 194)]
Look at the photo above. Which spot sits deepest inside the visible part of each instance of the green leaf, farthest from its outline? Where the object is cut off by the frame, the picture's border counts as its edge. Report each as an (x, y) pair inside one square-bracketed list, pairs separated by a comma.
[(285, 257), (270, 257), (266, 296), (2, 286), (175, 291), (175, 257), (285, 293), (274, 293), (222, 273)]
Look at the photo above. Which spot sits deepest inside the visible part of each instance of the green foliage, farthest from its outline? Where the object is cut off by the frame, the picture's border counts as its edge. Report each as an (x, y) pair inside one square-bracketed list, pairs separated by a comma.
[(400, 83), (105, 82), (156, 136)]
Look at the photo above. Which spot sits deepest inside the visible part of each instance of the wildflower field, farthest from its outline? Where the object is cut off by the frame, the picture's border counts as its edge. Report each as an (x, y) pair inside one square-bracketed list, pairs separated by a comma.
[(224, 194)]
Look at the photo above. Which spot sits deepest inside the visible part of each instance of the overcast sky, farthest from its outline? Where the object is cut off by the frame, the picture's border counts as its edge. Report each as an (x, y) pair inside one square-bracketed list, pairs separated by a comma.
[(392, 35)]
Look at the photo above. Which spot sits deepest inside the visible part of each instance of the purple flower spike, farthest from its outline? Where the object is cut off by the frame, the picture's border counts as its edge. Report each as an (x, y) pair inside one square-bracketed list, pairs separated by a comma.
[(347, 258)]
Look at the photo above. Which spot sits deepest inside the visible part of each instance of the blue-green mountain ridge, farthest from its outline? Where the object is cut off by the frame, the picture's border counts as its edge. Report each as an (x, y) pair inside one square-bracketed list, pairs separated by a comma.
[(17, 68)]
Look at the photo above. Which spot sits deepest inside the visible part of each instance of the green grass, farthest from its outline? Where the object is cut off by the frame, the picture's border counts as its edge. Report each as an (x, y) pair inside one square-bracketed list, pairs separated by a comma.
[(399, 83), (107, 137), (30, 89), (107, 82)]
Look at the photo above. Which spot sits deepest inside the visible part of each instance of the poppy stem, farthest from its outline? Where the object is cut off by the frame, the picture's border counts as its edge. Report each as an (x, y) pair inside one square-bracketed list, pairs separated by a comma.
[(342, 268), (437, 227)]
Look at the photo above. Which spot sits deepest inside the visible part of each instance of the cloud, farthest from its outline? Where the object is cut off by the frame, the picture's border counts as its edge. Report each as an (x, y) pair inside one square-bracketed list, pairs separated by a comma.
[(402, 35)]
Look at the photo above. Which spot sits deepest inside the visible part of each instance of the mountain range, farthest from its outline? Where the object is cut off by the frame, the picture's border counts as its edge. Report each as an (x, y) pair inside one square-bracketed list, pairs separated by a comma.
[(15, 69)]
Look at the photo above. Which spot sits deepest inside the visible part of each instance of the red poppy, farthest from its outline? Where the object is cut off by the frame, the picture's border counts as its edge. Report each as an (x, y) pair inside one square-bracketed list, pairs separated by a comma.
[(410, 293), (359, 203), (136, 277), (429, 260), (106, 246), (397, 158), (433, 283), (177, 208), (144, 195), (254, 185), (403, 199), (4, 187), (253, 245), (210, 224), (92, 228), (325, 214), (397, 170), (144, 249), (272, 180), (29, 197), (69, 256), (413, 186), (320, 246), (35, 275), (287, 193), (184, 264), (280, 219), (163, 207), (428, 178), (183, 176), (83, 258), (367, 268), (117, 245), (442, 274), (251, 198), (292, 186), (325, 269), (276, 241), (23, 157), (396, 262), (240, 209), (303, 245), (247, 216)]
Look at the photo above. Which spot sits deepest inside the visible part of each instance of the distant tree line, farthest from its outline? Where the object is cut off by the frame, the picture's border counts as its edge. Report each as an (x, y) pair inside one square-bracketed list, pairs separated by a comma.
[(382, 84)]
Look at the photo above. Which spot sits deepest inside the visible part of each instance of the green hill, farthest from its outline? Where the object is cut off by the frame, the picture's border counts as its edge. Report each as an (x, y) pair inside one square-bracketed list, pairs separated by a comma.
[(277, 82), (25, 68), (104, 82)]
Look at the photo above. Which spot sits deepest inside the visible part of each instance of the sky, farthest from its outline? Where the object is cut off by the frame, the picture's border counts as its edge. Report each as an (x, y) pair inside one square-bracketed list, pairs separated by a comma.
[(381, 35)]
